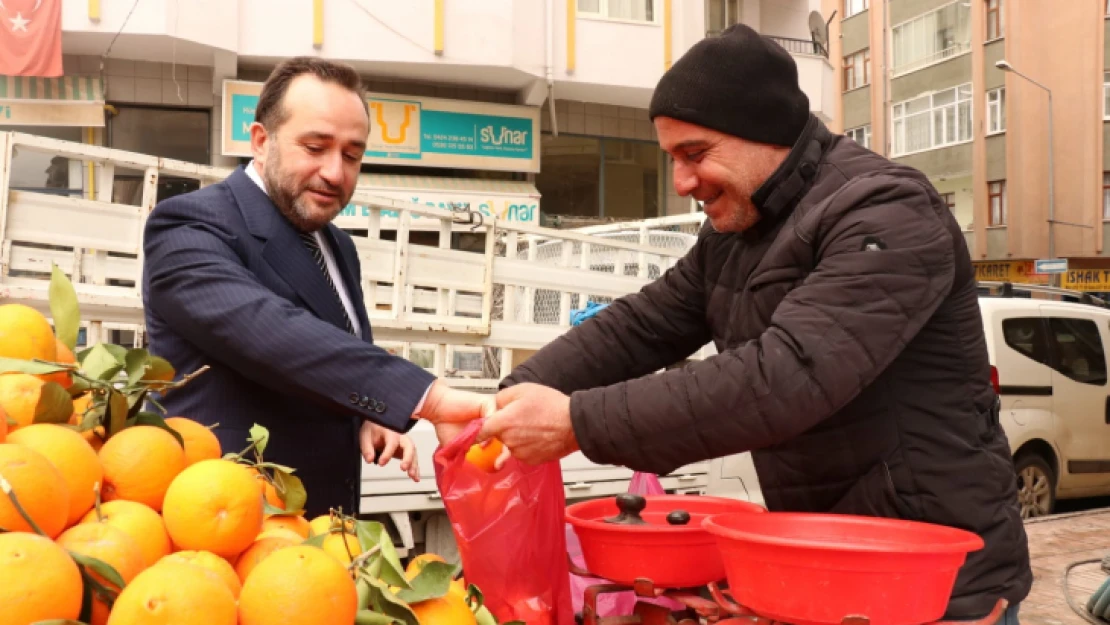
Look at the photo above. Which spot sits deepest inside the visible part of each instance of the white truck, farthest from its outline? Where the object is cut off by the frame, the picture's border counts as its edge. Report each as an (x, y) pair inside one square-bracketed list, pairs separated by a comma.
[(467, 316)]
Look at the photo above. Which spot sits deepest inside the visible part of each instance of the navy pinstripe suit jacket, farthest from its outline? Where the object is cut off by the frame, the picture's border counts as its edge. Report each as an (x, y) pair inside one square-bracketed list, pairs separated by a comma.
[(228, 283)]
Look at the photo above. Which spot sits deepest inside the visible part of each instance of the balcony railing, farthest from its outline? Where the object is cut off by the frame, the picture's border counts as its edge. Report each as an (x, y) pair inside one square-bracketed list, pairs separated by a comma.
[(793, 46)]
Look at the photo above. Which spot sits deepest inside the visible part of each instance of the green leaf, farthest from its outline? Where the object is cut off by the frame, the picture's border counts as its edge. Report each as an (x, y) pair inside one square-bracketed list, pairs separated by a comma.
[(373, 534), (136, 362), (482, 616), (431, 582), (260, 436), (63, 308), (100, 364), (117, 412), (291, 490), (156, 420), (79, 387), (363, 588), (159, 370), (277, 467), (32, 367), (118, 352), (93, 417), (383, 601), (55, 405), (101, 568), (367, 617), (316, 541), (135, 403)]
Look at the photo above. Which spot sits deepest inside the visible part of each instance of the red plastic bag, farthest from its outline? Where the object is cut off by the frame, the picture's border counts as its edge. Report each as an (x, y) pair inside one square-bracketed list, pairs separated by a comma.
[(614, 603), (509, 528)]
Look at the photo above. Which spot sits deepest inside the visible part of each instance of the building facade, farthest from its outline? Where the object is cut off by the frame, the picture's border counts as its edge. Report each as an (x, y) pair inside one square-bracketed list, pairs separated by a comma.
[(1004, 105), (533, 110)]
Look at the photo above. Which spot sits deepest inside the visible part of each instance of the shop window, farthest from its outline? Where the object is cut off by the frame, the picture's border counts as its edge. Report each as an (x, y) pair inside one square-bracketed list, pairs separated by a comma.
[(45, 173), (596, 177), (181, 134)]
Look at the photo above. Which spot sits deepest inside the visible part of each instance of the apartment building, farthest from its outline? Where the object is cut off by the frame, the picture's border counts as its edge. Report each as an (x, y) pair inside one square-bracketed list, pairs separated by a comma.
[(1003, 104), (532, 110)]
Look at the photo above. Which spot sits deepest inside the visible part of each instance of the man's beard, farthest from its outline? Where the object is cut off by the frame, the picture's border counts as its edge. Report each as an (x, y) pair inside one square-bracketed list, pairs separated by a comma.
[(290, 200)]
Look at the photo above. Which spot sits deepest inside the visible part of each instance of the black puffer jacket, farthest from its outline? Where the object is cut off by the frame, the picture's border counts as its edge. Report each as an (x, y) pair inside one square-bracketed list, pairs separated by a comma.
[(852, 361)]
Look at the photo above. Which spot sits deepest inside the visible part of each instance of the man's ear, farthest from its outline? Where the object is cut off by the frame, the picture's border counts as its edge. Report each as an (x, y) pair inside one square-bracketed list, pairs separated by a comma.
[(260, 140)]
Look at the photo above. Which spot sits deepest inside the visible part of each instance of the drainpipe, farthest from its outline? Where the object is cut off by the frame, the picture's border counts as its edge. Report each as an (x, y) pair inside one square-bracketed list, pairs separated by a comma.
[(549, 68)]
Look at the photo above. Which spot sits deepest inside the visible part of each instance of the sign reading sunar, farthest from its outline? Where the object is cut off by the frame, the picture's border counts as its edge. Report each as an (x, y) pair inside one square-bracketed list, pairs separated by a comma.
[(418, 131)]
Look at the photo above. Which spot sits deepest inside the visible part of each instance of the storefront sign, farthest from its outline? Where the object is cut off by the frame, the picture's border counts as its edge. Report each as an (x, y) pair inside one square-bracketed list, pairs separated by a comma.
[(416, 131), (517, 208), (1020, 271), (1095, 280), (63, 101)]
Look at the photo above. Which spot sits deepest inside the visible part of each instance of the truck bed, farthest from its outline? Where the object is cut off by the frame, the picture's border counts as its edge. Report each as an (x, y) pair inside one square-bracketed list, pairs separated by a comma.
[(1054, 543)]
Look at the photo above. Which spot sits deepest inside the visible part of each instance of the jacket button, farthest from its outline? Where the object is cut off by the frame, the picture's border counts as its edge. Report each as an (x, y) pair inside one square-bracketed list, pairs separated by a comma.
[(379, 408), (364, 402), (354, 398)]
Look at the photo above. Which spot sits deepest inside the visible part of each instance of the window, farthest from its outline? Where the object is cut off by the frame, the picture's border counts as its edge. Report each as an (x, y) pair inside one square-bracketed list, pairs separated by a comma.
[(996, 200), (932, 37), (857, 70), (1106, 194), (594, 177), (932, 121), (1026, 335), (861, 135), (182, 134), (720, 14), (996, 110), (995, 20), (634, 10), (1106, 94), (854, 7), (42, 173), (1079, 350), (949, 201)]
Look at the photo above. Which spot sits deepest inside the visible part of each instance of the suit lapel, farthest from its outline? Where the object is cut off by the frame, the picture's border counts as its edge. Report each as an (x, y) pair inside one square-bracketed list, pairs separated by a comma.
[(284, 250)]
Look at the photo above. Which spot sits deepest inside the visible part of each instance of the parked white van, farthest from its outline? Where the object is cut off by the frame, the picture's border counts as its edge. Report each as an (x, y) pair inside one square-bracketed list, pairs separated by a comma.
[(1048, 360)]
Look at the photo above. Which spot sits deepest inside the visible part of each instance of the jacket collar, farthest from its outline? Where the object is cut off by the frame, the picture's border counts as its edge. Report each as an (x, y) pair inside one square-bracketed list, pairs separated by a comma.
[(284, 251), (780, 193)]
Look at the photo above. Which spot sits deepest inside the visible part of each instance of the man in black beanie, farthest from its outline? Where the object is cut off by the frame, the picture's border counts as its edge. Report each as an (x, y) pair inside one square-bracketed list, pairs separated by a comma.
[(839, 293)]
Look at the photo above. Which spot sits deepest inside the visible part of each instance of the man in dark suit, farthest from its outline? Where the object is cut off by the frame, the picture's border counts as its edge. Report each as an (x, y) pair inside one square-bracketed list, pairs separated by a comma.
[(250, 277)]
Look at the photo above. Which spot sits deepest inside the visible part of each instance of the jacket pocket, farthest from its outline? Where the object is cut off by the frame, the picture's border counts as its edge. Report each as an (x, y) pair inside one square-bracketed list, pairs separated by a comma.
[(874, 495)]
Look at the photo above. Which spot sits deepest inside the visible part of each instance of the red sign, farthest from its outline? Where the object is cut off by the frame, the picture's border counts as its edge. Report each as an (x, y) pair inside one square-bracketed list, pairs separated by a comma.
[(31, 37)]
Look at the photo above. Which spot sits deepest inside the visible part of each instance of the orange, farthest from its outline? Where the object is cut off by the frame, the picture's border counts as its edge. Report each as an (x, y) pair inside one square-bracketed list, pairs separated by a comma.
[(3, 425), (66, 357), (40, 488), (38, 580), (95, 438), (281, 532), (200, 442), (323, 523), (449, 609), (269, 491), (344, 553), (417, 563), (485, 456), (259, 551), (298, 586), (19, 397), (297, 524), (214, 506), (109, 545), (81, 404), (139, 464), (138, 521), (175, 593), (74, 457), (212, 562), (25, 334)]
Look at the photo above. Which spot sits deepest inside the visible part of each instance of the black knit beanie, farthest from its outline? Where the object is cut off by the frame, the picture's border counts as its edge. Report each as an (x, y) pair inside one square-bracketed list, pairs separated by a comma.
[(740, 83)]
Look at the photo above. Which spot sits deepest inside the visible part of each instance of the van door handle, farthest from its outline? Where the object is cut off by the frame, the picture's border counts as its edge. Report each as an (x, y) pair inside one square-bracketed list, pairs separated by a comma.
[(580, 486)]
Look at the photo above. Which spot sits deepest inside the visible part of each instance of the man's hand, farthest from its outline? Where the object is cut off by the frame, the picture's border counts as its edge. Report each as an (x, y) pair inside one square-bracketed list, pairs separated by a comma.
[(449, 410), (380, 444), (532, 421)]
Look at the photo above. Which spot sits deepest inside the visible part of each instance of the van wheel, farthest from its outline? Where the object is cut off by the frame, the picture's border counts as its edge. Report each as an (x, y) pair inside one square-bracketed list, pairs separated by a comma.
[(1036, 483)]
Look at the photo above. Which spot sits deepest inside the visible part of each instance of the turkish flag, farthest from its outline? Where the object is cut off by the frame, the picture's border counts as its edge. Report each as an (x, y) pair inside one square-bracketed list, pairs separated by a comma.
[(31, 37)]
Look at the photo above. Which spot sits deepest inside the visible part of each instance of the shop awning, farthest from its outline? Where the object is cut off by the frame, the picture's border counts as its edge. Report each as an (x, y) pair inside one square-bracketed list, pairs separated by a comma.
[(61, 101), (507, 199)]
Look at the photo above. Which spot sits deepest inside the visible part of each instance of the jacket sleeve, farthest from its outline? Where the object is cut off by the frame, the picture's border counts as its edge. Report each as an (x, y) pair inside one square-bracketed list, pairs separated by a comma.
[(197, 283), (828, 339), (637, 334)]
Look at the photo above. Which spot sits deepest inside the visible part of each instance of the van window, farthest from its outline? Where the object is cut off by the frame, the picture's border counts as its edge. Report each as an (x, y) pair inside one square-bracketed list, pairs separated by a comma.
[(1026, 335), (1079, 346)]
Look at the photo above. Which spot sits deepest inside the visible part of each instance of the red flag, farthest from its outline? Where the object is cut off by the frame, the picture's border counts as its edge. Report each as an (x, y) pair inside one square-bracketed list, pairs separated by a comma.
[(31, 37)]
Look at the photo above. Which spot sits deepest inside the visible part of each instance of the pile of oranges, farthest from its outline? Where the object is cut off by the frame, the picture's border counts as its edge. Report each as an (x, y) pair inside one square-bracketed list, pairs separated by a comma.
[(156, 530)]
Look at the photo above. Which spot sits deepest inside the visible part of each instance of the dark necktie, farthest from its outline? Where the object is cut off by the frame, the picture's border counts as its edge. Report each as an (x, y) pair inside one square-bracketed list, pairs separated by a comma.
[(318, 254)]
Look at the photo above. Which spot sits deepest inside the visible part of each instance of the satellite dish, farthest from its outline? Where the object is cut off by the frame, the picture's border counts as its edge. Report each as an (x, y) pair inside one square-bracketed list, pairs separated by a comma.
[(819, 30)]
